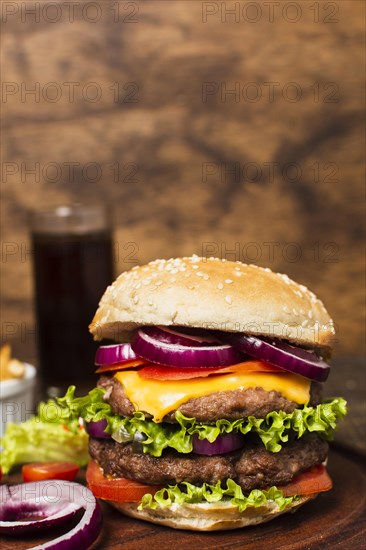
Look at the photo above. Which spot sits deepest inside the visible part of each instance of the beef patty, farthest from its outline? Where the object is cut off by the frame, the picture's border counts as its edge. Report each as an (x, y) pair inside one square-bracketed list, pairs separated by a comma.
[(252, 467), (229, 405)]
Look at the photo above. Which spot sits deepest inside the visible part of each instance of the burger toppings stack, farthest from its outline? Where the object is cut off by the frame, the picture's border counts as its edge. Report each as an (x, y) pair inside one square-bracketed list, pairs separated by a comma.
[(209, 410)]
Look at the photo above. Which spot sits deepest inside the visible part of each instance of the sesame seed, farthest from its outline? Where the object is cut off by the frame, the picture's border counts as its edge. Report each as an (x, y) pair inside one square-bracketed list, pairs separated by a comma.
[(191, 287), (137, 286), (285, 278), (199, 274), (295, 312), (228, 281), (195, 267), (158, 283), (135, 299), (313, 298), (286, 309), (146, 281), (206, 277), (228, 299), (310, 314), (220, 286), (304, 323), (237, 268), (150, 302)]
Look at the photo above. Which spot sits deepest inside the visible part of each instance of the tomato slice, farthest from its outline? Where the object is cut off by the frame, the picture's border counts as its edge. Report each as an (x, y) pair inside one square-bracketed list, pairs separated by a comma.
[(160, 372), (118, 489), (39, 471), (313, 480), (122, 366)]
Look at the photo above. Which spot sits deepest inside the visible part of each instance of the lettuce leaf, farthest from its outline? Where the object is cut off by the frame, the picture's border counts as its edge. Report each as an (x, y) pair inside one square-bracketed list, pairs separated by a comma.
[(42, 440), (190, 494), (273, 430)]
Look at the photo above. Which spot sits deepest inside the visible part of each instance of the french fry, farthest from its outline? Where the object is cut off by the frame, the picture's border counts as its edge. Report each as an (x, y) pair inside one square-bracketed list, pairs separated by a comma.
[(10, 368)]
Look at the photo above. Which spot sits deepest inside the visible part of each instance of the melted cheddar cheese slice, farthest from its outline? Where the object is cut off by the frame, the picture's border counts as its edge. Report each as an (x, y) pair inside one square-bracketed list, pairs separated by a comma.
[(159, 397)]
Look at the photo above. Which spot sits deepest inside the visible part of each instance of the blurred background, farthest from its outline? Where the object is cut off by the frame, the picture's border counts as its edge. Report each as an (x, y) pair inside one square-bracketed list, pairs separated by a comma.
[(232, 129)]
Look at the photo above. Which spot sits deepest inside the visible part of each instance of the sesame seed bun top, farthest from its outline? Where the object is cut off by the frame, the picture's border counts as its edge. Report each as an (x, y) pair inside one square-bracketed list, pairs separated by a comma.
[(213, 294)]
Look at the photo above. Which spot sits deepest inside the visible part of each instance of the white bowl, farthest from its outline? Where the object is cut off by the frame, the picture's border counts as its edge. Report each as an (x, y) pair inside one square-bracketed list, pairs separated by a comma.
[(17, 398)]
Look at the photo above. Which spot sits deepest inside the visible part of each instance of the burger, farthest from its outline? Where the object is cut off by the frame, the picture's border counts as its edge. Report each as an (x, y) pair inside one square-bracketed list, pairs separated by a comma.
[(208, 413)]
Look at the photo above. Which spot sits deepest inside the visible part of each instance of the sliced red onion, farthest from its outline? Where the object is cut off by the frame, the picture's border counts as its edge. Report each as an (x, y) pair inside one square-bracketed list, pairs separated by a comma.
[(116, 353), (55, 501), (183, 336), (15, 516), (225, 443), (96, 429), (147, 344), (291, 358)]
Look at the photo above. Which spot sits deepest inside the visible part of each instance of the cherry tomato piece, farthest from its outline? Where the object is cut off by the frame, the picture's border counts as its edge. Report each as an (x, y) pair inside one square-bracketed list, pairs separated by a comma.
[(49, 470)]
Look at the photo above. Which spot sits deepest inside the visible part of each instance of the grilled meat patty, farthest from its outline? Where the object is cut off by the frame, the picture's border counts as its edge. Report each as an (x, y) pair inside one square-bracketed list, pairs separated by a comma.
[(252, 467), (229, 405)]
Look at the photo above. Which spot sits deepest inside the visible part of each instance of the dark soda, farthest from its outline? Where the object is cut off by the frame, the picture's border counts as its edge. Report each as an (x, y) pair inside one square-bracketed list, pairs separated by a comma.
[(71, 274)]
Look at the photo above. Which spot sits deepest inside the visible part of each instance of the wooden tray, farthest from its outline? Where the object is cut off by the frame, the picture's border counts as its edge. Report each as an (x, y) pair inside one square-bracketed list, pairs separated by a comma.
[(334, 520)]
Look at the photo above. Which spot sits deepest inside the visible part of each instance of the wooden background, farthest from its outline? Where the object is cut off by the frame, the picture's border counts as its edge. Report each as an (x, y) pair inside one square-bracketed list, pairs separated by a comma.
[(123, 98)]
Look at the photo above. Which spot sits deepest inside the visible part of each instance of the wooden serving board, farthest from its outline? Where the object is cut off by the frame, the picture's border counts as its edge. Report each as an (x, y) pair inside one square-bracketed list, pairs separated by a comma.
[(334, 520)]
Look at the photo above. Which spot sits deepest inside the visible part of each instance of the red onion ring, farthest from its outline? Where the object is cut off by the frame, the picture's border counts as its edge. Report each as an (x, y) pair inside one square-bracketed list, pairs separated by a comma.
[(116, 353), (147, 344), (63, 499), (291, 358), (183, 336), (96, 429), (13, 514), (225, 443)]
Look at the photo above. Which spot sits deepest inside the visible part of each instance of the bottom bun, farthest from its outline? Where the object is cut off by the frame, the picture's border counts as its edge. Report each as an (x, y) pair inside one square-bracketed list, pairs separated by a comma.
[(207, 516)]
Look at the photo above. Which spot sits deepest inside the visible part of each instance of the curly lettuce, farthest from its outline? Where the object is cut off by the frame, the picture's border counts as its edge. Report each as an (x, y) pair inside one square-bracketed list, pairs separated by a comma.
[(186, 493), (44, 438), (273, 430)]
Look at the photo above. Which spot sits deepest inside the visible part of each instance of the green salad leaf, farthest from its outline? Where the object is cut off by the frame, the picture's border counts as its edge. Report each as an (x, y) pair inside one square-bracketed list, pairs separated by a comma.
[(186, 493), (41, 441), (273, 430)]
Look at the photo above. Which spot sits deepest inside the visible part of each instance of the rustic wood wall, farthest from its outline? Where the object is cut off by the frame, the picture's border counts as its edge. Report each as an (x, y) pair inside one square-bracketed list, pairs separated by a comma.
[(226, 128)]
